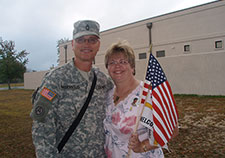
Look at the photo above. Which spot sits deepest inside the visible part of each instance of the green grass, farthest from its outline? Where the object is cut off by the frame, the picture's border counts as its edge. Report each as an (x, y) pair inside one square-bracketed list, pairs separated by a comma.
[(12, 85), (15, 124)]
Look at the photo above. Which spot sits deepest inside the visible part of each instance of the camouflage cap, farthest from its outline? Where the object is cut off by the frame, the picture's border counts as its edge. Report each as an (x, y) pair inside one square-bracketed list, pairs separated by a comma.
[(85, 27)]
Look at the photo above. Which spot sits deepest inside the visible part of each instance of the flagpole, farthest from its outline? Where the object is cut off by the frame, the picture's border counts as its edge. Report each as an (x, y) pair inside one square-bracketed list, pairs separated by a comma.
[(142, 108), (139, 115)]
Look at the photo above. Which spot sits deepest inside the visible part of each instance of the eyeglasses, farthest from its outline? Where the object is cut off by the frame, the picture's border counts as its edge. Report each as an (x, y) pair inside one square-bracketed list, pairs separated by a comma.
[(91, 40), (121, 62)]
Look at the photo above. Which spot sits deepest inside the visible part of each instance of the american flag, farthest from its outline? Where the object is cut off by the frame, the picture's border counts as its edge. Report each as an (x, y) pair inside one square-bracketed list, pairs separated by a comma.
[(165, 115), (48, 94)]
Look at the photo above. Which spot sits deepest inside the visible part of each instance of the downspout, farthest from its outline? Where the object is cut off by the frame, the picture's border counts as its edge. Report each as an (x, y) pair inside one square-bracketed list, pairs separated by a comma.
[(149, 26), (65, 47)]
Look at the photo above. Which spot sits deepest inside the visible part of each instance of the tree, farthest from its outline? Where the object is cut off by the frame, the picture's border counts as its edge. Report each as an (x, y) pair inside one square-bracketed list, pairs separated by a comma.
[(12, 64), (59, 42)]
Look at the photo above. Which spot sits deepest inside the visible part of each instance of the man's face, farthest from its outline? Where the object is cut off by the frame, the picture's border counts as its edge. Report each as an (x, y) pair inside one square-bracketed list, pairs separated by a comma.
[(86, 47)]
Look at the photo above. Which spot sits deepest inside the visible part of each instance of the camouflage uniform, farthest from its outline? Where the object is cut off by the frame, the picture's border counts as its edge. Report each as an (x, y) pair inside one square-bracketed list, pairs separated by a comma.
[(53, 117)]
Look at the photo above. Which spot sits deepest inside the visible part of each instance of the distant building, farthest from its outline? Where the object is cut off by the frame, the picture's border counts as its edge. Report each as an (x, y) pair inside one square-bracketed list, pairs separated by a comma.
[(189, 44)]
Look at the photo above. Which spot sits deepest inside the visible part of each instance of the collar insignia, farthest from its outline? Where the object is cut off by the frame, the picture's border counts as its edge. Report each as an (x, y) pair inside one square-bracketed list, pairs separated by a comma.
[(87, 27)]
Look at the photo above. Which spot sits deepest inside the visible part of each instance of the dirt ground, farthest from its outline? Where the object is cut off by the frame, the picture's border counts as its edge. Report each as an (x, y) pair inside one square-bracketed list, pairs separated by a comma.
[(201, 121), (202, 128)]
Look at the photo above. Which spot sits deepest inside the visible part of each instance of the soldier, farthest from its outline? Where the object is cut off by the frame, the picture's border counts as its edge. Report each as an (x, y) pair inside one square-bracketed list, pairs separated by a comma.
[(61, 96)]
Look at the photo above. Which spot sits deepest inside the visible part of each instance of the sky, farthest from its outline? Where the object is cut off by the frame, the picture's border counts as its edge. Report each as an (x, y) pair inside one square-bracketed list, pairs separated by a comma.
[(37, 25)]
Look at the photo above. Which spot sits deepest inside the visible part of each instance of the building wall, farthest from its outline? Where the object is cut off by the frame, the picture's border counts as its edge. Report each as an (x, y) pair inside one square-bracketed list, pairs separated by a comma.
[(33, 79), (198, 71), (196, 74), (64, 49)]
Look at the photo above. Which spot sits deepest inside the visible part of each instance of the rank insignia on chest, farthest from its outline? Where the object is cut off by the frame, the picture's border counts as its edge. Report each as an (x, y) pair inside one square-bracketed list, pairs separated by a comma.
[(87, 27), (47, 93)]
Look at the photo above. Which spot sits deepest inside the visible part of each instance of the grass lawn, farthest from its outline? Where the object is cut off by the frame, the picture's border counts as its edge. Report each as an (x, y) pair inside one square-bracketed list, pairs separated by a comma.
[(12, 85), (202, 122), (15, 129)]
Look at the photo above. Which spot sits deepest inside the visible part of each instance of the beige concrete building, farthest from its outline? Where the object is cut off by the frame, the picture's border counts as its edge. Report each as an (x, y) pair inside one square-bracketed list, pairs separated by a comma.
[(189, 44)]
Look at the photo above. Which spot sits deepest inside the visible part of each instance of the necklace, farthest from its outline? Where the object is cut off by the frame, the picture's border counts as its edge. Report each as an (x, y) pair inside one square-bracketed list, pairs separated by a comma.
[(116, 98), (124, 95)]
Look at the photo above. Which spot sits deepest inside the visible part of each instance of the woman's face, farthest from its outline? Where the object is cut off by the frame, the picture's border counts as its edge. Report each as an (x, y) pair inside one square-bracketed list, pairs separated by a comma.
[(118, 68)]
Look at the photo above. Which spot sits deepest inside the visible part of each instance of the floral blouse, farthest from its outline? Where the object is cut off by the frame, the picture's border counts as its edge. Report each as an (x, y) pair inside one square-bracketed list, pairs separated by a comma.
[(119, 125)]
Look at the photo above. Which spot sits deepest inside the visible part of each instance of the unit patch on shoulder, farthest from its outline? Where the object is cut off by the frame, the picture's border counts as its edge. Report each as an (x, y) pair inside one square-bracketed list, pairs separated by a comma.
[(39, 110), (48, 94)]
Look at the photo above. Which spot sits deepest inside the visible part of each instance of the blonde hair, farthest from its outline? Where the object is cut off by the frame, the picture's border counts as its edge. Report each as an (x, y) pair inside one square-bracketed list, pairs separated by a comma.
[(124, 48)]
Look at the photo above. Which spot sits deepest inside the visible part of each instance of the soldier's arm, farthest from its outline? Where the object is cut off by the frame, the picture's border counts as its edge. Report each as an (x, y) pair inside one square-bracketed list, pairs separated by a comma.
[(44, 123), (44, 138)]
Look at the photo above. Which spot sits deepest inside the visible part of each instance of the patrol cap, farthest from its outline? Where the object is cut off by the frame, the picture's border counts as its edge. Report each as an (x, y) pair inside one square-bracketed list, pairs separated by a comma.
[(85, 27)]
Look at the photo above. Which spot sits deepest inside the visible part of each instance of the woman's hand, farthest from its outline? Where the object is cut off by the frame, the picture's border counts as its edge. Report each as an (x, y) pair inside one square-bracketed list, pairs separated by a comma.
[(135, 144)]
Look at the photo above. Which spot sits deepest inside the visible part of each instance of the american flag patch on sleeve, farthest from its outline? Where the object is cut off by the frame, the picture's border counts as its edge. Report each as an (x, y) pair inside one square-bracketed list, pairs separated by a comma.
[(48, 94)]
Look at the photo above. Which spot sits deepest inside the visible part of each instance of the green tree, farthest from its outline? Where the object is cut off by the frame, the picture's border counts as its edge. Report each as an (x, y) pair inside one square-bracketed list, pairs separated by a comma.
[(12, 64)]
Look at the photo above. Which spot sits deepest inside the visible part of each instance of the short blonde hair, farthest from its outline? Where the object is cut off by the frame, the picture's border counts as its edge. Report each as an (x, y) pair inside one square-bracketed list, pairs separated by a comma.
[(124, 48)]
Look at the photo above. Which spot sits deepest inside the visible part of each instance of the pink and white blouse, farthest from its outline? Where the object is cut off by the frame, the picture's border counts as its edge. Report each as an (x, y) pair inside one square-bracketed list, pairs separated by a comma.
[(119, 124)]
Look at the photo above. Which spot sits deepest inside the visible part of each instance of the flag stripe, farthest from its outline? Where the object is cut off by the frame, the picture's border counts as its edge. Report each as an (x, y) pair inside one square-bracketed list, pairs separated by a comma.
[(170, 104), (145, 93), (161, 126), (166, 104), (159, 111), (158, 124), (159, 136), (175, 113), (163, 109), (146, 84), (142, 101)]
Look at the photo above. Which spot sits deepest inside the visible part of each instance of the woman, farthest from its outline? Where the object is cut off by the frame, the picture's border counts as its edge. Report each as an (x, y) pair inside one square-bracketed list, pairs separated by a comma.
[(121, 112)]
